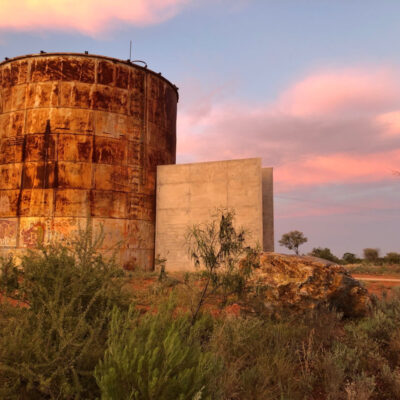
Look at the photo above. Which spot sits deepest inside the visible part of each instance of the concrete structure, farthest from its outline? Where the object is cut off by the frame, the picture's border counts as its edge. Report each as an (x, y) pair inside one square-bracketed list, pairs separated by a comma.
[(81, 136), (189, 194), (267, 177)]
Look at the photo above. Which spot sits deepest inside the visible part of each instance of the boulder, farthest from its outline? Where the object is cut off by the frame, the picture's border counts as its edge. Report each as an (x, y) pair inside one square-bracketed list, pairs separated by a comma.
[(301, 283)]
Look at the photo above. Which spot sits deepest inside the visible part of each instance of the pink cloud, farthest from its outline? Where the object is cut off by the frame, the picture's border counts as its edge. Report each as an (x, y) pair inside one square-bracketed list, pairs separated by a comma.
[(389, 123), (330, 127), (87, 16), (338, 168), (338, 91)]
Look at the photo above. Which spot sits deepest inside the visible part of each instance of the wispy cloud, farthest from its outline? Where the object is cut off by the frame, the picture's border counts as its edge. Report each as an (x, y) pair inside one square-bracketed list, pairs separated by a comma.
[(330, 127), (87, 16)]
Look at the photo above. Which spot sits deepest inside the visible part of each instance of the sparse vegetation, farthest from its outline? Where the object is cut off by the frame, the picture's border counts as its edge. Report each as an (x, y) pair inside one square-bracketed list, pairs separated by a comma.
[(317, 356), (293, 240), (375, 269), (69, 330), (375, 265)]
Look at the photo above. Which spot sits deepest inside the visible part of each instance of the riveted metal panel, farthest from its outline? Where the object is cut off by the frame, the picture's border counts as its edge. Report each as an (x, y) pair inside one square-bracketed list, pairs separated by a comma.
[(8, 232), (38, 202), (9, 203)]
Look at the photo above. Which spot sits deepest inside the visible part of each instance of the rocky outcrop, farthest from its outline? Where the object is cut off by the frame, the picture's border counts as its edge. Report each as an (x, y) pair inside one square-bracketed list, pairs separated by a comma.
[(301, 283)]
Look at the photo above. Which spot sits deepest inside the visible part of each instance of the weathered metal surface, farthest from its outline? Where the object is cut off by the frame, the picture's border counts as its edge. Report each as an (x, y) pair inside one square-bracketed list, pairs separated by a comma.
[(81, 136)]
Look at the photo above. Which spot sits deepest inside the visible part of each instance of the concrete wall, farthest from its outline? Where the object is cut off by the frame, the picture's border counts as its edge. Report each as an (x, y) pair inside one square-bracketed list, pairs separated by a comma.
[(189, 194)]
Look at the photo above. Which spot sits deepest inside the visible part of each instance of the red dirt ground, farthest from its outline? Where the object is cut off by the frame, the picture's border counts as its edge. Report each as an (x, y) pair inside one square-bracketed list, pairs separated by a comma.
[(379, 284)]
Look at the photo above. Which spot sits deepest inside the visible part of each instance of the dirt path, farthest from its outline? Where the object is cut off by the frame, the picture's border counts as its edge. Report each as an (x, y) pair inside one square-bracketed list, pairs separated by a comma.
[(376, 278)]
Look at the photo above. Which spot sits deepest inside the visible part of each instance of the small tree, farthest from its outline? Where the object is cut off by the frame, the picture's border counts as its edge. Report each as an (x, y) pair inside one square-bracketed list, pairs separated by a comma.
[(292, 240), (371, 255), (222, 257)]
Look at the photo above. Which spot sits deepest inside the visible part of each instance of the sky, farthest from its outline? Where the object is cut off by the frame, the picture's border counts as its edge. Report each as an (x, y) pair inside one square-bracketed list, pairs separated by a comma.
[(310, 86)]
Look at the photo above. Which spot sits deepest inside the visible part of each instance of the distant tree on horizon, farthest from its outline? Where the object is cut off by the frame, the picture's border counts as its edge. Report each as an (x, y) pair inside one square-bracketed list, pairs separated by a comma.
[(392, 258), (350, 258), (370, 254), (292, 240)]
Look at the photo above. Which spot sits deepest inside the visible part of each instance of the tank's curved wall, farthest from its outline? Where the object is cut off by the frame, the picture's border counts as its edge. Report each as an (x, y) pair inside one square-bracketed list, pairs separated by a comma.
[(81, 136)]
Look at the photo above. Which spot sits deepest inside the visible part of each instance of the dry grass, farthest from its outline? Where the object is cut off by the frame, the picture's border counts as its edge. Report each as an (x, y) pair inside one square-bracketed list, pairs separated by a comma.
[(369, 269)]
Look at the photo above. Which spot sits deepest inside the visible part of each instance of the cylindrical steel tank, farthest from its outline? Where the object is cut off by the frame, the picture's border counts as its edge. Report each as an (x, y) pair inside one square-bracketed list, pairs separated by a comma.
[(81, 137)]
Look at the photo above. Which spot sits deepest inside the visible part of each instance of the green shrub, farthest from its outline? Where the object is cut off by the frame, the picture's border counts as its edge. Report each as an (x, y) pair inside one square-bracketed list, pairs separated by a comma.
[(51, 343), (350, 258), (325, 254), (223, 259), (156, 357)]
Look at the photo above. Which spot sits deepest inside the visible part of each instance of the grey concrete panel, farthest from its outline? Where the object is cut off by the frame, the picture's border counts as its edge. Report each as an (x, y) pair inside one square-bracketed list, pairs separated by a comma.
[(189, 194)]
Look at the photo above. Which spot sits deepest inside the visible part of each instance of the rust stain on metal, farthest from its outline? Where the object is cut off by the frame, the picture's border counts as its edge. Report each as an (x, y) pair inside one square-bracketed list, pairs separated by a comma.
[(81, 136)]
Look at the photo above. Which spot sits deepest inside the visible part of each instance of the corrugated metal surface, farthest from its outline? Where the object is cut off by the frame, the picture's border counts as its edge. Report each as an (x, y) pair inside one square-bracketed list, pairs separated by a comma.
[(81, 136)]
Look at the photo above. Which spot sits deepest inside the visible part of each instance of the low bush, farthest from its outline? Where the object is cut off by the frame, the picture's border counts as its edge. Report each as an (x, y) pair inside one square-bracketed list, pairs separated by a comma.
[(51, 342), (156, 357)]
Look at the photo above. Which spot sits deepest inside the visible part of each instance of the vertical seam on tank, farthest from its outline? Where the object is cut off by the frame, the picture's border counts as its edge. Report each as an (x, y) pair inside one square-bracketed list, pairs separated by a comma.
[(46, 143), (57, 139), (55, 169), (55, 183), (20, 191), (90, 211), (46, 171), (28, 82), (144, 134)]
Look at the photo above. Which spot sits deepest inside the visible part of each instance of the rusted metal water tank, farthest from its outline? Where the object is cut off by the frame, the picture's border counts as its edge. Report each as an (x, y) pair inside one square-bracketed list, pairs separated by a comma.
[(80, 139)]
